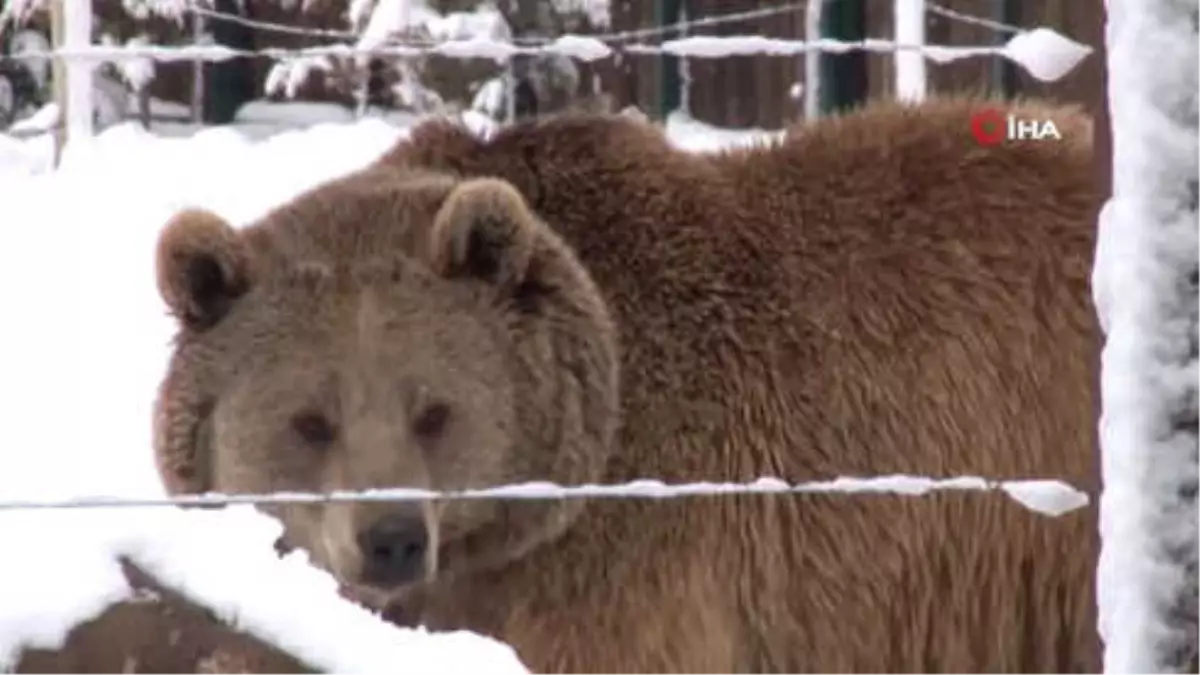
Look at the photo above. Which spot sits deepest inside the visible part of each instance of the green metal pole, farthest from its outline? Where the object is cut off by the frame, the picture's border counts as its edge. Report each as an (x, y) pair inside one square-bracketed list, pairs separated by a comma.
[(667, 12), (1004, 73), (843, 76)]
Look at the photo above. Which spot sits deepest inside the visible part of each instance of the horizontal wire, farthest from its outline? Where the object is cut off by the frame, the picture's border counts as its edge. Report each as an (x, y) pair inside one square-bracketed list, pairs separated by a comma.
[(903, 485)]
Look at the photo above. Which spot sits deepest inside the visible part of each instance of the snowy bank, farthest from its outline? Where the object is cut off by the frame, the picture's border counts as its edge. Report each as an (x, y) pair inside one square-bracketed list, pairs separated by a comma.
[(222, 561)]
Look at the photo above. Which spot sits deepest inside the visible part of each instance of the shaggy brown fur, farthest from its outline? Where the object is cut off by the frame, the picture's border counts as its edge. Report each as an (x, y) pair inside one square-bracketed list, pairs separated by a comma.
[(876, 294), (159, 631)]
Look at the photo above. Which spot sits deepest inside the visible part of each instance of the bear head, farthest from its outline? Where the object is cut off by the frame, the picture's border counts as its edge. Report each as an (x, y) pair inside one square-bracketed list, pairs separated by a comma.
[(387, 330)]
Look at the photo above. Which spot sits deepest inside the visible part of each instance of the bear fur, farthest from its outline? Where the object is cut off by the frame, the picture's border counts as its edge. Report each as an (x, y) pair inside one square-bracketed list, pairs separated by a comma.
[(575, 300)]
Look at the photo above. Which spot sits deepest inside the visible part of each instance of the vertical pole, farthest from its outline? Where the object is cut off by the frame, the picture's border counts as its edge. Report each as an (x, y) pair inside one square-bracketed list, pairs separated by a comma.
[(77, 27), (1004, 72), (58, 76), (812, 61), (909, 17), (668, 12), (1145, 289), (75, 31), (197, 72), (684, 71), (843, 76), (522, 95)]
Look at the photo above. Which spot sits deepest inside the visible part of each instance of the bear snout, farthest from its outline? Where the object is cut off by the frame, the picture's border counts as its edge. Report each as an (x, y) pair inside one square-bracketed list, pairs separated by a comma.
[(394, 550)]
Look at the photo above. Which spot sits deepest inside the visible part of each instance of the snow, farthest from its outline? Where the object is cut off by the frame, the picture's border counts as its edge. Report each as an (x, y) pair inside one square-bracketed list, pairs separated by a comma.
[(596, 11), (286, 602), (391, 17), (580, 47), (168, 9), (43, 120), (94, 340), (1045, 54), (694, 135), (1145, 294), (484, 22), (288, 75), (491, 98), (1048, 497), (137, 73), (261, 119)]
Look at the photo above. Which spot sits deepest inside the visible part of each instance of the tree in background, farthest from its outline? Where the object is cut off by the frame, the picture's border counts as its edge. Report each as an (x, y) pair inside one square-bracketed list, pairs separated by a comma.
[(421, 83), (523, 86)]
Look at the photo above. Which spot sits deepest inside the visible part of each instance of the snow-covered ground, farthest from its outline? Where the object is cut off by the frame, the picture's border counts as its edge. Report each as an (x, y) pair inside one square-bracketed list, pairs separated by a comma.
[(26, 149), (85, 343)]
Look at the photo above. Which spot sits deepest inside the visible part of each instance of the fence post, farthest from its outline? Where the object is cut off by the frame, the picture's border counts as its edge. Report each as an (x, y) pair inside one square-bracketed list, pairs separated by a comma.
[(1004, 72), (843, 76), (812, 61), (58, 78), (909, 16), (197, 71), (667, 12), (1145, 287), (74, 90)]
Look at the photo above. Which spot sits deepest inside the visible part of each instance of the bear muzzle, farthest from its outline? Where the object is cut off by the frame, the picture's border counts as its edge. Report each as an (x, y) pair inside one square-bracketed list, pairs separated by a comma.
[(396, 550)]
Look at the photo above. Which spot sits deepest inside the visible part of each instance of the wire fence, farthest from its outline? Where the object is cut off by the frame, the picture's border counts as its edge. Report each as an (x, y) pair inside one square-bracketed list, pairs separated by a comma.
[(612, 37), (584, 47), (608, 38), (673, 39), (581, 47), (1049, 497)]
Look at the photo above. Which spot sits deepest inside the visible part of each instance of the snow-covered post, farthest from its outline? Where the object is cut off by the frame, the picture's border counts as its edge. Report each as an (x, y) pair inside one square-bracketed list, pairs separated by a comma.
[(909, 18), (1145, 286), (77, 35)]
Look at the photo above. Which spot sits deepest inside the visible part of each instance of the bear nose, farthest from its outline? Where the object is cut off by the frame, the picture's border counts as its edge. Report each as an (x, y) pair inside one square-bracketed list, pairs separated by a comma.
[(393, 550)]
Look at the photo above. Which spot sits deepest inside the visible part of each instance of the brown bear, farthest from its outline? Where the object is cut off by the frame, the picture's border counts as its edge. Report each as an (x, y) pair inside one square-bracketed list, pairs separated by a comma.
[(575, 300)]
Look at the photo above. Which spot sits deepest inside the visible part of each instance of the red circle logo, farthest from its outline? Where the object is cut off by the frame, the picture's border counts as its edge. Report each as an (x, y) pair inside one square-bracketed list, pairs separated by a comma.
[(987, 127)]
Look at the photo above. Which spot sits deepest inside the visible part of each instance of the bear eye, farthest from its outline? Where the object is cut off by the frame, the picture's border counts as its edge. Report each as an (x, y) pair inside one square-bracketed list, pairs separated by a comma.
[(314, 427), (432, 421)]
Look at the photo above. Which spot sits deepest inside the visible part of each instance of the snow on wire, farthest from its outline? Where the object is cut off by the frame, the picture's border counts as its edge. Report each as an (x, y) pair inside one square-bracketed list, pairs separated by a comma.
[(1026, 49), (1048, 497)]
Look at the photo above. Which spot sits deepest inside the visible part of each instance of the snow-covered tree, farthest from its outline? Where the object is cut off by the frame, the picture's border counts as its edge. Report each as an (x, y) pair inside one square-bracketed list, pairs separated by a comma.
[(1145, 285), (544, 82), (407, 82), (414, 82), (26, 22)]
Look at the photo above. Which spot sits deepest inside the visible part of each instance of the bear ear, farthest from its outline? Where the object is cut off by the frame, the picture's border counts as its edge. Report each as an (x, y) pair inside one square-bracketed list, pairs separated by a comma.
[(485, 231), (202, 267)]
